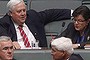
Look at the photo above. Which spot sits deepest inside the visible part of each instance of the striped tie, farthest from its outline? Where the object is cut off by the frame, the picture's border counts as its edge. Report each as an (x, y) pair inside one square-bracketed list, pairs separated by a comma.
[(24, 36)]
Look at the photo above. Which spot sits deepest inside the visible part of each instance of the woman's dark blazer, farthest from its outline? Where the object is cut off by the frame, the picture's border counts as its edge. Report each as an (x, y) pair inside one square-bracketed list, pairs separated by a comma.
[(70, 32), (35, 22)]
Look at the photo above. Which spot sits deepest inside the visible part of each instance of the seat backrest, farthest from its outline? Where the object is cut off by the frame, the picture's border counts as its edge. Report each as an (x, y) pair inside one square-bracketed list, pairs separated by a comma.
[(32, 54), (86, 3), (39, 5), (55, 28), (41, 54), (3, 6)]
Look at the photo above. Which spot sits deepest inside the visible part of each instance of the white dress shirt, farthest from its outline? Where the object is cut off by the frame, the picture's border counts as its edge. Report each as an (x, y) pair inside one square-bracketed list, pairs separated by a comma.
[(30, 36)]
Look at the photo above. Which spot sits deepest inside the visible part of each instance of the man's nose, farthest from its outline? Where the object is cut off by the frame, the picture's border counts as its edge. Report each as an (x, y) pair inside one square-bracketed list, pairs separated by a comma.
[(9, 51), (22, 13)]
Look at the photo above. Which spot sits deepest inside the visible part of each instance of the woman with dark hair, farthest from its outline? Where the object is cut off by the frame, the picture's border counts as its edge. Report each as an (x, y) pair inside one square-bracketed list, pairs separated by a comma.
[(79, 29)]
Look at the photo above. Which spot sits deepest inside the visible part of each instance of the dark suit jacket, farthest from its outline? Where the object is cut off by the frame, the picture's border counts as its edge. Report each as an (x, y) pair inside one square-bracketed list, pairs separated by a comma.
[(36, 22), (75, 57), (70, 32)]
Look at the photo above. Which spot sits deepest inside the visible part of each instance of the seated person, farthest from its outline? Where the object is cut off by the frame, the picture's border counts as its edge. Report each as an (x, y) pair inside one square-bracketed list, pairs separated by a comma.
[(25, 28), (79, 29), (6, 48), (62, 49)]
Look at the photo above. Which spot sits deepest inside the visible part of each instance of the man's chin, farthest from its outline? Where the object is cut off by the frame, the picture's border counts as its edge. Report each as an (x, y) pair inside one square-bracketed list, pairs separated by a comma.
[(10, 58)]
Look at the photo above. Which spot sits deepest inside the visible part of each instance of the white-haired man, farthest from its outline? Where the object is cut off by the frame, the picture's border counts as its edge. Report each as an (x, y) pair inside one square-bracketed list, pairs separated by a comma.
[(6, 48), (62, 49), (31, 22)]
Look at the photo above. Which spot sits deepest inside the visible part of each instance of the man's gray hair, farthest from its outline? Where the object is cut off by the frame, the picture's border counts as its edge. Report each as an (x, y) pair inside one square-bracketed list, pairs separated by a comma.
[(63, 43), (4, 38), (12, 3)]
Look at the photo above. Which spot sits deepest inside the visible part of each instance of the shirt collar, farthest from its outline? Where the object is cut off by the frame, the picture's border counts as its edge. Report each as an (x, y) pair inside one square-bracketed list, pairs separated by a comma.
[(16, 25)]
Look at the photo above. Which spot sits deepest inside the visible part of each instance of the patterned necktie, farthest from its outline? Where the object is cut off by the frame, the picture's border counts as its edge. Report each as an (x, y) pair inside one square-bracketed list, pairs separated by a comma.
[(24, 36)]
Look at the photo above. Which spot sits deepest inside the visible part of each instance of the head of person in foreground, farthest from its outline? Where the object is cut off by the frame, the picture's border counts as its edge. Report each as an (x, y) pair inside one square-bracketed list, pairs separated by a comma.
[(61, 48), (6, 48)]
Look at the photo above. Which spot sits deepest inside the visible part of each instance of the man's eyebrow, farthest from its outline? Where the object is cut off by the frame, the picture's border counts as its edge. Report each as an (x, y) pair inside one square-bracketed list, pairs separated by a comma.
[(8, 47)]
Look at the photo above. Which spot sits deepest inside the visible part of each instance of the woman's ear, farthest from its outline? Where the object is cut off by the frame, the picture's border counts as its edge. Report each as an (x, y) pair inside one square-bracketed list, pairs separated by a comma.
[(89, 20)]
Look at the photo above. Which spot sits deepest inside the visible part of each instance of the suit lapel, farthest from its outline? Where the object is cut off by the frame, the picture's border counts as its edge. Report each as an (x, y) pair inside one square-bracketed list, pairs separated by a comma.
[(10, 27), (12, 31), (32, 28)]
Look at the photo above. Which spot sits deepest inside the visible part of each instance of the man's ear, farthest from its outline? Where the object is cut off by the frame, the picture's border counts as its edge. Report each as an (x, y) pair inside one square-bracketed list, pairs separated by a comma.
[(10, 13), (65, 53)]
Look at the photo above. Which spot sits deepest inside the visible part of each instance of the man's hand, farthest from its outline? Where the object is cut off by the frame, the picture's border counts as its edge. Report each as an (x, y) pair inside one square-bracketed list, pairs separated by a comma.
[(76, 45), (16, 45)]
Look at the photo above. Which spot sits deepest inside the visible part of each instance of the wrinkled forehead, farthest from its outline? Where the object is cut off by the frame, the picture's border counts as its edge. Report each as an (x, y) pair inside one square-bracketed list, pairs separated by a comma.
[(6, 43), (18, 5)]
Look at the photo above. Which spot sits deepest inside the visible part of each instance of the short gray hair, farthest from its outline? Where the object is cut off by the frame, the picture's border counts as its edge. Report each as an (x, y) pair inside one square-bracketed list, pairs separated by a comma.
[(12, 3), (5, 38), (63, 43)]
